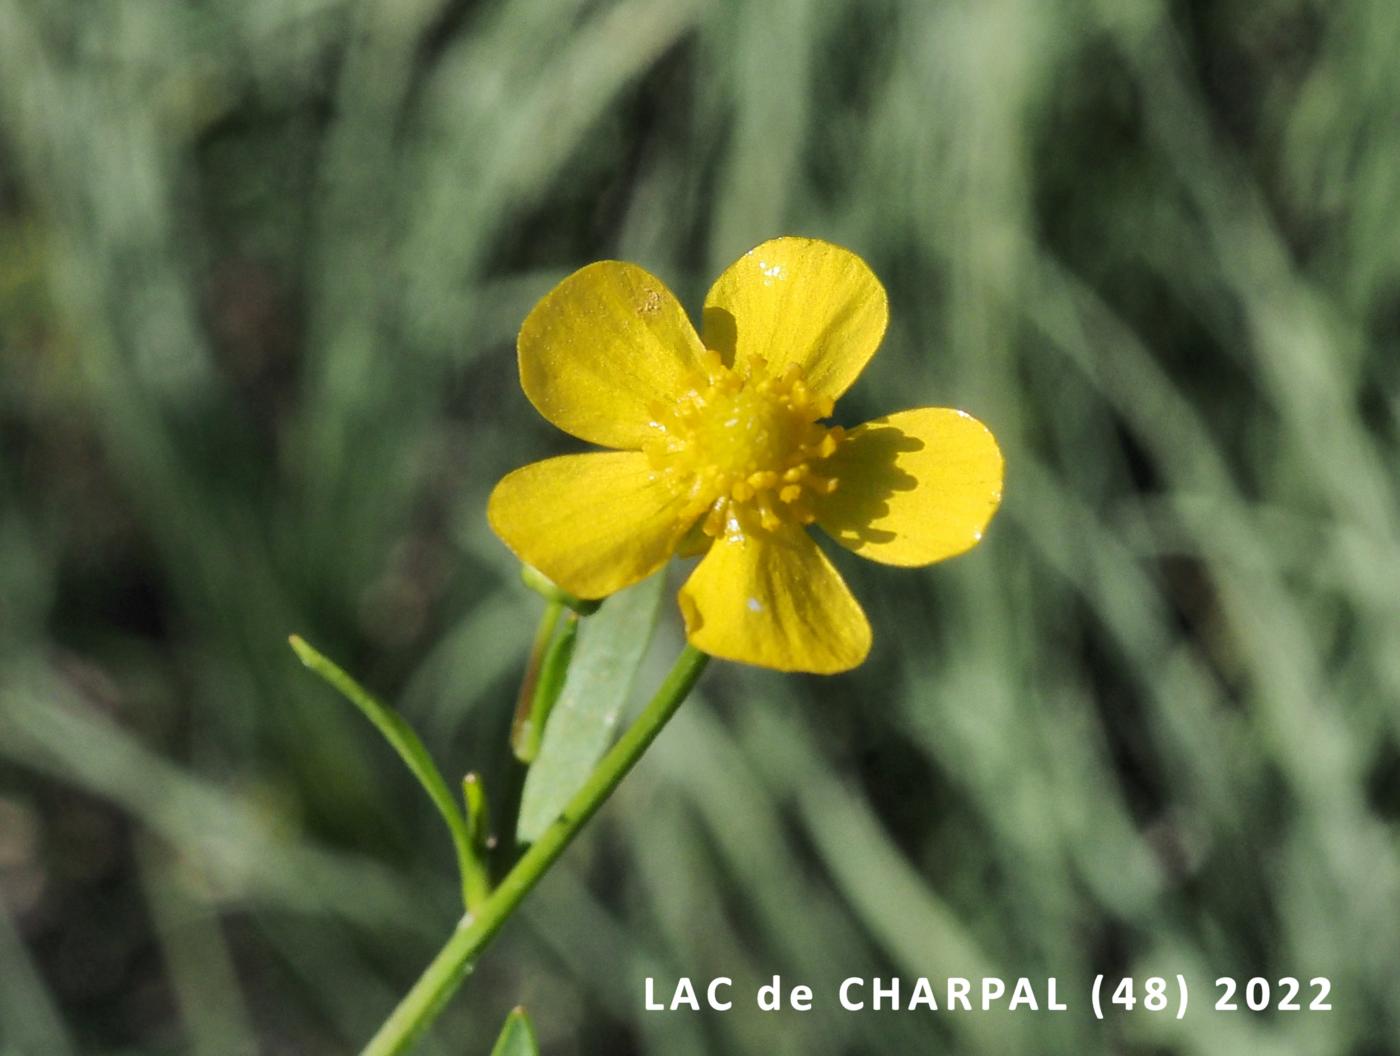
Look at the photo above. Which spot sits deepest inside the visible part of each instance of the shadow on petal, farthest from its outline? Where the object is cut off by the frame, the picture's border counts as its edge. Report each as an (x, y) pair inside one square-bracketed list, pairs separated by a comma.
[(720, 333), (867, 467)]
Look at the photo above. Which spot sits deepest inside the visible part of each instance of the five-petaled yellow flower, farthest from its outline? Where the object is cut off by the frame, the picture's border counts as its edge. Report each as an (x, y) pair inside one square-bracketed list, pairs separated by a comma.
[(720, 445)]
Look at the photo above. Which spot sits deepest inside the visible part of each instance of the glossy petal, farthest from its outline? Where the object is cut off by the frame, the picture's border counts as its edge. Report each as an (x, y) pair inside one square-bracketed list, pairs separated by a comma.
[(915, 487), (592, 523), (602, 347), (799, 300), (774, 600)]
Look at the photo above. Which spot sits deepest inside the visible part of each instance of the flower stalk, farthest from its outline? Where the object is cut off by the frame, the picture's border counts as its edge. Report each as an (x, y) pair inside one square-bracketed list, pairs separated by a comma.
[(545, 632), (533, 712), (456, 959)]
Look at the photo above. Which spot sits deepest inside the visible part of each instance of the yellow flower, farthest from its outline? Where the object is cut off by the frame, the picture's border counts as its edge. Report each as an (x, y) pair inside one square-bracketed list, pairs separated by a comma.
[(720, 445)]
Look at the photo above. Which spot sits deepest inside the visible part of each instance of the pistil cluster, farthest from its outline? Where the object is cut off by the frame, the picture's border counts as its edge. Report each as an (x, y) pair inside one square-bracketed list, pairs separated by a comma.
[(744, 448)]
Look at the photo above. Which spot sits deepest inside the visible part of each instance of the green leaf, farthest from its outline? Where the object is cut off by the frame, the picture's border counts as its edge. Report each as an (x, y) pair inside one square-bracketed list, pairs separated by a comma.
[(610, 648), (403, 740), (517, 1037)]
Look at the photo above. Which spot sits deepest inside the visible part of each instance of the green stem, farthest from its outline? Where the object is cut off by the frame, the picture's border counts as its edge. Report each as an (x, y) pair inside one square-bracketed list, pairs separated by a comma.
[(527, 734), (539, 650), (452, 964), (512, 784), (476, 876), (550, 591)]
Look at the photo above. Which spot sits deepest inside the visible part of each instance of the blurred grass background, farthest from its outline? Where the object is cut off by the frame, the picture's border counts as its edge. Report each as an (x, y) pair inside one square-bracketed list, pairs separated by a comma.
[(261, 265)]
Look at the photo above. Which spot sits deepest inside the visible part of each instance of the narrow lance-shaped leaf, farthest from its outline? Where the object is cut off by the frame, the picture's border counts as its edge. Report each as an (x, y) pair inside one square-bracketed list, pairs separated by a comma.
[(404, 741), (609, 650)]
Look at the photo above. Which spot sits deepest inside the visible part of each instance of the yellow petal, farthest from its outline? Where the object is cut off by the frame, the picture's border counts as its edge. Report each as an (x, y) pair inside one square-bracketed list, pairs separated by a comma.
[(773, 599), (803, 301), (592, 523), (914, 487), (602, 346)]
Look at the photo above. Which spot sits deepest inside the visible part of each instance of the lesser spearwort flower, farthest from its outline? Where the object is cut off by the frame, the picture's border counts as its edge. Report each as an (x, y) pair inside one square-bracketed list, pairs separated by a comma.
[(721, 445)]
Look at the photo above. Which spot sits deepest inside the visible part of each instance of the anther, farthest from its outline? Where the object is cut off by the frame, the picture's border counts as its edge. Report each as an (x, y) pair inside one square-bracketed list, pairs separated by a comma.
[(767, 517), (763, 480), (714, 520), (736, 449)]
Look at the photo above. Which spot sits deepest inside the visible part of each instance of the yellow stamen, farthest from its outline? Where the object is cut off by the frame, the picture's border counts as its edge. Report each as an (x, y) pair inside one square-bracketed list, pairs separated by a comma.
[(741, 447), (763, 480)]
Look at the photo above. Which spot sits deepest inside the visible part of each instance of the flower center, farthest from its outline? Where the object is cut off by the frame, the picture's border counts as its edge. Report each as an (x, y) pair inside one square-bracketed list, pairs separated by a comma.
[(741, 448)]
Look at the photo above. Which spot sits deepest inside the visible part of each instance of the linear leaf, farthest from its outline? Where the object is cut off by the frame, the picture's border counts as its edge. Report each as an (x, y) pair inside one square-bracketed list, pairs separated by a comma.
[(401, 738), (610, 648)]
